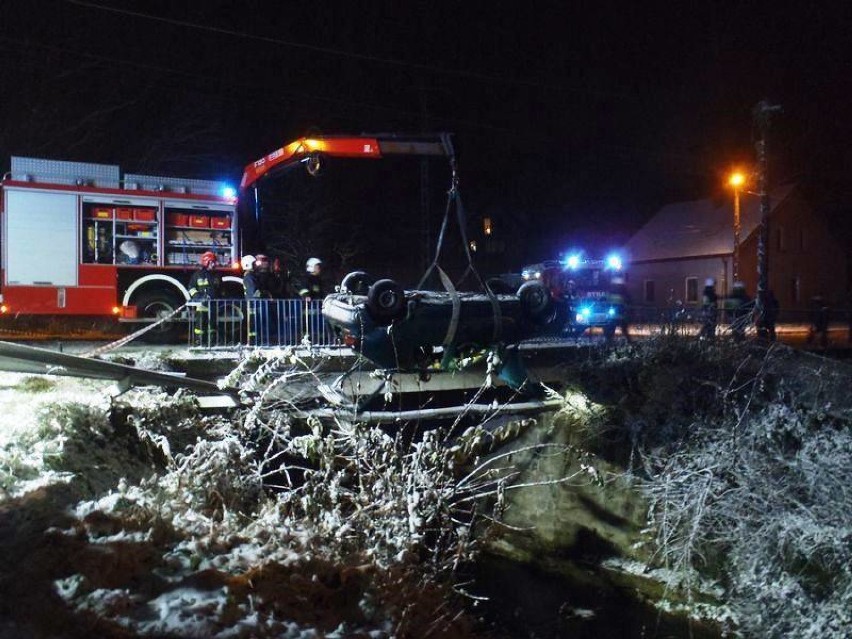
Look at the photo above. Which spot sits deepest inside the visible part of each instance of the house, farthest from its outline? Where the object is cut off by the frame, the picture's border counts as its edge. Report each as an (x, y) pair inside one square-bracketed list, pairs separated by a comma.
[(685, 243)]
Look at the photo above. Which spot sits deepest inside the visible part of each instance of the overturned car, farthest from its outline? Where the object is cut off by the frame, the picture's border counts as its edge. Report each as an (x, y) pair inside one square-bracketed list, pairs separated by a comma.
[(413, 329)]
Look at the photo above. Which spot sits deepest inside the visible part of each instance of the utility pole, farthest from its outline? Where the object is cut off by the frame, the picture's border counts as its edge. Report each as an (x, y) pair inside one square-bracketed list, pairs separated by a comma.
[(425, 222), (762, 114)]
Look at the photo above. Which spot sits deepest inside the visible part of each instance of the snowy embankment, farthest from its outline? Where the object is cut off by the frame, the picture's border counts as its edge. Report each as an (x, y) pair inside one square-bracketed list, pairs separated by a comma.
[(157, 520), (152, 519)]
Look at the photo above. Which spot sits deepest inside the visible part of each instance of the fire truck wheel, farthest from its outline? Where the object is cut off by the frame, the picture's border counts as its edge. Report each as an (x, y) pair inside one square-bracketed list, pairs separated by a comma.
[(385, 301), (156, 305), (356, 283), (535, 300)]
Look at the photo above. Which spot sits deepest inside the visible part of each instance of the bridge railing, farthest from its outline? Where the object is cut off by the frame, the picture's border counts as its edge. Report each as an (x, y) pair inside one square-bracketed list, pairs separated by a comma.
[(265, 322)]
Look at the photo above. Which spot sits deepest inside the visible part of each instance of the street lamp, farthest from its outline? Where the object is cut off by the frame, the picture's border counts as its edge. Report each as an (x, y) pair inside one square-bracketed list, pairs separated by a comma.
[(736, 181)]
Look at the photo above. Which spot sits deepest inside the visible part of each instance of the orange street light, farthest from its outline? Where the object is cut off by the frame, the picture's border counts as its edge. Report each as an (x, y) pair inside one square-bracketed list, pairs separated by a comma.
[(736, 180)]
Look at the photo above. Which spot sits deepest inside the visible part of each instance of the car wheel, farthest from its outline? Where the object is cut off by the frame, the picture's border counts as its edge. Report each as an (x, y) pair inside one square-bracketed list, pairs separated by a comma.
[(356, 283), (385, 300), (535, 300)]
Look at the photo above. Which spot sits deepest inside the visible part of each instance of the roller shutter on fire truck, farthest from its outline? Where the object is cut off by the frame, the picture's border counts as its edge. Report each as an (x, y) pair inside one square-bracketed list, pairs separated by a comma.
[(41, 238)]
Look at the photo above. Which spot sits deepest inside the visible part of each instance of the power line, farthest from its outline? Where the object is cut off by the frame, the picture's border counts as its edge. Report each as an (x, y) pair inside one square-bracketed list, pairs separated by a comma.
[(462, 73), (415, 115)]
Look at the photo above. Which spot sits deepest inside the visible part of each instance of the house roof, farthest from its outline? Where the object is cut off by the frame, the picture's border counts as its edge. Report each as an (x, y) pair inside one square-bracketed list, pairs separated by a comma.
[(699, 228)]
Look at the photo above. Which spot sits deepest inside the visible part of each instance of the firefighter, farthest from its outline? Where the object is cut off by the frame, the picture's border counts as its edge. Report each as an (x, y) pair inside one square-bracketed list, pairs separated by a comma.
[(310, 289), (709, 309), (738, 305), (768, 316), (253, 293), (203, 289), (820, 318), (270, 308), (280, 285), (619, 300), (288, 311)]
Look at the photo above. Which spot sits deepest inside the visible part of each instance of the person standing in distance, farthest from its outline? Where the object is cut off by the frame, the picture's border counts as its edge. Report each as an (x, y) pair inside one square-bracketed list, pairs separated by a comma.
[(709, 309), (312, 288), (203, 289)]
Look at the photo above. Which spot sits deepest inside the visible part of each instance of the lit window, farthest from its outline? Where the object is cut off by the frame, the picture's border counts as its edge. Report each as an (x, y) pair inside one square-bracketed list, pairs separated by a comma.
[(486, 225)]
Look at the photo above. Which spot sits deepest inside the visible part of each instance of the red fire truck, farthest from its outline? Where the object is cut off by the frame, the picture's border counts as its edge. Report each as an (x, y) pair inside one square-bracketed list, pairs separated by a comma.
[(85, 239)]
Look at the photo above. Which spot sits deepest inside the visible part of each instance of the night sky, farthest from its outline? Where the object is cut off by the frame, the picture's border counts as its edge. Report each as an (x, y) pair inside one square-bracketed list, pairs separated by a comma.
[(573, 121)]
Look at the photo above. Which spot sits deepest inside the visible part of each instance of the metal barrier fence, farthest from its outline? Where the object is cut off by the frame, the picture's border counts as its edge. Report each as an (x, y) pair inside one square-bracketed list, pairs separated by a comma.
[(291, 322), (280, 322)]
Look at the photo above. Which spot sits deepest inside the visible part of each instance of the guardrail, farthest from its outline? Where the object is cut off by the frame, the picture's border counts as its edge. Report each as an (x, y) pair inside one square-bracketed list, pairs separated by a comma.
[(278, 322), (291, 322)]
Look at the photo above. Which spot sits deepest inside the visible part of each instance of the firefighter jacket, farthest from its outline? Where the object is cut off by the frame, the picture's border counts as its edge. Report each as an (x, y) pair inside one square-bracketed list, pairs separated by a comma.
[(253, 286), (312, 287), (204, 285)]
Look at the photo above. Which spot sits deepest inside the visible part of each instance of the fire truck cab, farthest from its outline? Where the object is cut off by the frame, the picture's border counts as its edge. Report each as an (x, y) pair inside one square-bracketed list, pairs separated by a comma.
[(83, 239), (586, 286)]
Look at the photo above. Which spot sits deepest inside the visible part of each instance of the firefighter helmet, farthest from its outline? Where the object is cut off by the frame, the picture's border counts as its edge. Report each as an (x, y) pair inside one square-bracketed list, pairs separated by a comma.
[(208, 259), (312, 263), (247, 262), (710, 282)]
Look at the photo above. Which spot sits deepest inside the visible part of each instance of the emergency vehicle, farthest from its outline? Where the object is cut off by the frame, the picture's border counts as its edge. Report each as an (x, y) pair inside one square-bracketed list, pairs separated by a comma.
[(586, 286), (83, 239)]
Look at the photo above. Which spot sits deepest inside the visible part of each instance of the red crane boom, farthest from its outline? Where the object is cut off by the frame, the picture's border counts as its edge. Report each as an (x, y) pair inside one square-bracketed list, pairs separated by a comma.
[(376, 146)]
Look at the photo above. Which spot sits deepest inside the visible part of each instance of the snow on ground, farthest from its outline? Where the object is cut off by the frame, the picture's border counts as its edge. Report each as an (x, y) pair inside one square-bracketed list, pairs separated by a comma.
[(27, 437), (151, 523)]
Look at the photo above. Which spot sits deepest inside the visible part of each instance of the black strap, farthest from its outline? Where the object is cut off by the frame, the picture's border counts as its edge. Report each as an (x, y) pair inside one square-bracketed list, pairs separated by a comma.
[(453, 197)]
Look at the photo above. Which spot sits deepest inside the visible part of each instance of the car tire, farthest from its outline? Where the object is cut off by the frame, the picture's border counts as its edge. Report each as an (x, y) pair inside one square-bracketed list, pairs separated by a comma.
[(385, 300), (536, 302), (356, 283)]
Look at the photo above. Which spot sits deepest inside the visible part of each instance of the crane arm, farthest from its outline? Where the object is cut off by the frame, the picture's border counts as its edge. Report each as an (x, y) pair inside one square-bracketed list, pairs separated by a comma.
[(339, 146)]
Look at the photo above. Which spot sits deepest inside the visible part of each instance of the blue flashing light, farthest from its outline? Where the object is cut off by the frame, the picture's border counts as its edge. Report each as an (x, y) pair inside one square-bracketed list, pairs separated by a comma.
[(228, 192), (585, 311), (573, 261), (610, 311), (614, 262)]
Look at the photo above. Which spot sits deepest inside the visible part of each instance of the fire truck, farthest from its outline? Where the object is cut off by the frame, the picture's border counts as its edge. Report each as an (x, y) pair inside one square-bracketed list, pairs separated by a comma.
[(586, 286), (84, 239)]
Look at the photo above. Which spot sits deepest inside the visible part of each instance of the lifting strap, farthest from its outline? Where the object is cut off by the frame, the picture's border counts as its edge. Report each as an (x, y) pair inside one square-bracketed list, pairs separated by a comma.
[(453, 198)]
